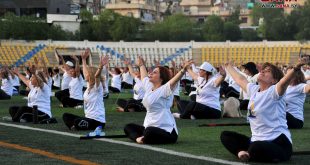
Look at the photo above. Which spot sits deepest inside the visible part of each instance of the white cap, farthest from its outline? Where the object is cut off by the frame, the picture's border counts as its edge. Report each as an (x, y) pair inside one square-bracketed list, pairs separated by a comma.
[(69, 63), (207, 67)]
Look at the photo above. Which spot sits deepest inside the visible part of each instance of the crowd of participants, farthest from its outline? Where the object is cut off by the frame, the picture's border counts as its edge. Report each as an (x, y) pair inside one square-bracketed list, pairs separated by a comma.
[(272, 95)]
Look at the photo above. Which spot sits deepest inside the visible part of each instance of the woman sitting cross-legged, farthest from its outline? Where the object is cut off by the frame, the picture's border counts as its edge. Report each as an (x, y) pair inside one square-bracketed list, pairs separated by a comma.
[(159, 125), (271, 140), (39, 96), (295, 100), (207, 104), (134, 104), (93, 100)]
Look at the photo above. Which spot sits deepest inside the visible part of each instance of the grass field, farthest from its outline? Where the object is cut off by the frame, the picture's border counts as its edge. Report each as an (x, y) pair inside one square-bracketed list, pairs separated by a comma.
[(194, 140)]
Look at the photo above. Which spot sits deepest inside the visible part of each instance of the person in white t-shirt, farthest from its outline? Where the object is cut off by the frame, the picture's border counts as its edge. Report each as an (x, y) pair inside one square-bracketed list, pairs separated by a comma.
[(115, 81), (295, 99), (134, 104), (75, 97), (207, 104), (271, 139), (6, 90), (251, 74), (56, 79), (93, 99), (16, 84), (39, 96), (66, 79), (159, 125), (127, 79)]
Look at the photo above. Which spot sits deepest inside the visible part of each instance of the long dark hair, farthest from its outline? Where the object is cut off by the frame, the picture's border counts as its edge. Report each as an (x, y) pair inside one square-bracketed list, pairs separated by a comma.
[(164, 74), (298, 77)]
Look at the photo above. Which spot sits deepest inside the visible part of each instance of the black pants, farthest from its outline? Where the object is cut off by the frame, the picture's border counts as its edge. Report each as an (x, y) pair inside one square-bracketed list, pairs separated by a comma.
[(293, 123), (24, 92), (80, 123), (244, 104), (152, 135), (231, 92), (61, 94), (277, 150), (4, 96), (136, 105), (26, 113), (199, 111), (54, 87), (114, 90), (125, 85)]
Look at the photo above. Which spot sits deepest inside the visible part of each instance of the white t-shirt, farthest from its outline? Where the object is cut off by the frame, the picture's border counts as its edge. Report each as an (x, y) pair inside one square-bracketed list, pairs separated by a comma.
[(295, 99), (126, 77), (76, 88), (138, 90), (251, 79), (7, 86), (16, 81), (66, 78), (56, 79), (176, 91), (93, 104), (41, 98), (116, 81), (267, 114), (207, 93), (157, 104)]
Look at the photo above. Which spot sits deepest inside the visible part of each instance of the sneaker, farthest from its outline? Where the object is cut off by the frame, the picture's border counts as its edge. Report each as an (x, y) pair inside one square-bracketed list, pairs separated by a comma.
[(78, 107), (61, 106), (176, 115), (7, 118), (25, 98)]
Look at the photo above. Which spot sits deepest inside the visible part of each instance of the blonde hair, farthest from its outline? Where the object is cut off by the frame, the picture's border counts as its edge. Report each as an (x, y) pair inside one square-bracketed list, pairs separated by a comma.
[(91, 74)]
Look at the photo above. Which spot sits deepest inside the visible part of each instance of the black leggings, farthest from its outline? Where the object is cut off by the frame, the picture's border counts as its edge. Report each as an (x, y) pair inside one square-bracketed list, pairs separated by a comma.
[(4, 96), (114, 90), (125, 85), (80, 123), (199, 111), (25, 112), (61, 94), (136, 105), (280, 149), (292, 122), (152, 135), (244, 104)]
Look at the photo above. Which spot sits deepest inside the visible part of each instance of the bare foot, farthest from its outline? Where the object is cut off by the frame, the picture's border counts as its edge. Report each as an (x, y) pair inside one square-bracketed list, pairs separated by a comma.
[(119, 109), (140, 140), (243, 156)]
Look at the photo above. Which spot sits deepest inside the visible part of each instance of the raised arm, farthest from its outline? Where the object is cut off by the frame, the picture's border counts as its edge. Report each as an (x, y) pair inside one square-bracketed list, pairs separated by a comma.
[(77, 65), (239, 78), (128, 63), (221, 78), (103, 61), (179, 75), (143, 71), (285, 81), (84, 56), (190, 70), (22, 77)]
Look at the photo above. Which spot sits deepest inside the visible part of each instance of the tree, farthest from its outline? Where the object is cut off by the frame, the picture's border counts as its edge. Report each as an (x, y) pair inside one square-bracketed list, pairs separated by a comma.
[(213, 29), (234, 17), (232, 31), (125, 28), (249, 35), (303, 23), (174, 28)]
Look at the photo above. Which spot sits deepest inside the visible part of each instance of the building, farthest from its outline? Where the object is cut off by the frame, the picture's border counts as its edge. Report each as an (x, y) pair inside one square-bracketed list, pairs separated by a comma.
[(200, 10), (146, 10), (290, 5)]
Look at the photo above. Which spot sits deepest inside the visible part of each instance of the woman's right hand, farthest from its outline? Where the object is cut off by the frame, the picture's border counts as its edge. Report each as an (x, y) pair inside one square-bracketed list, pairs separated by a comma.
[(140, 61), (186, 64)]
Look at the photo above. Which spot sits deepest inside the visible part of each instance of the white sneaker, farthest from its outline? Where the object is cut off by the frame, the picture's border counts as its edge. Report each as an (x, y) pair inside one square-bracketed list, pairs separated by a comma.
[(7, 118), (176, 115), (22, 121)]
